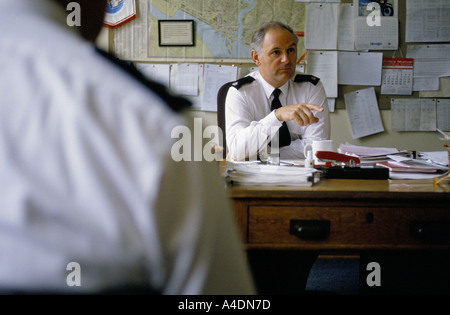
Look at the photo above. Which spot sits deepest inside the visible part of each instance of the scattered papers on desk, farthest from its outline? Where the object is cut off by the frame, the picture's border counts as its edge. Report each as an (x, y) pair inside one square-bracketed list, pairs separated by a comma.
[(437, 157), (255, 173), (412, 166), (371, 155), (411, 176), (401, 164)]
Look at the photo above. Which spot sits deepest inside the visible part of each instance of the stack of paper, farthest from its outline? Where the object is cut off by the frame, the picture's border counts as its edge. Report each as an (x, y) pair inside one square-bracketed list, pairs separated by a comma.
[(371, 155), (412, 166), (428, 166), (401, 164), (255, 173), (441, 158)]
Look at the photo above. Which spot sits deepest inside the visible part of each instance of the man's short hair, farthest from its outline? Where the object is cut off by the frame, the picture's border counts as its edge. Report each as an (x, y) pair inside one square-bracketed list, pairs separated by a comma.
[(258, 35)]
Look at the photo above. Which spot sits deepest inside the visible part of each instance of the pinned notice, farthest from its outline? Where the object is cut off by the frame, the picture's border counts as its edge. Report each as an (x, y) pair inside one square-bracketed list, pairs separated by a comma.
[(397, 76), (363, 112)]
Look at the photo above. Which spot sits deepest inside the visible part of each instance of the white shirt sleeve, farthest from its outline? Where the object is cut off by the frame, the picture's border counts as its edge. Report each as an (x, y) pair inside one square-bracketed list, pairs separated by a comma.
[(202, 245), (198, 232), (245, 135), (300, 136)]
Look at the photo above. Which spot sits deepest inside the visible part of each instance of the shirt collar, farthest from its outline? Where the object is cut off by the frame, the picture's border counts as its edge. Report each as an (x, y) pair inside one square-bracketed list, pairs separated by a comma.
[(268, 89)]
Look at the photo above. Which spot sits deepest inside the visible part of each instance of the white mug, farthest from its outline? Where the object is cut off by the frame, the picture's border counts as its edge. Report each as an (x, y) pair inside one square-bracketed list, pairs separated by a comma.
[(318, 145)]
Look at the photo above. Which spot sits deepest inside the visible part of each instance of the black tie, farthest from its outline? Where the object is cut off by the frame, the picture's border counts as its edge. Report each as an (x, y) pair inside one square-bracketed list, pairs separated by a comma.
[(283, 132)]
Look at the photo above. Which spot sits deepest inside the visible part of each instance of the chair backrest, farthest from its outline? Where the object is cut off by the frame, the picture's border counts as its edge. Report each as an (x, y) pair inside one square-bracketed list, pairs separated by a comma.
[(221, 96)]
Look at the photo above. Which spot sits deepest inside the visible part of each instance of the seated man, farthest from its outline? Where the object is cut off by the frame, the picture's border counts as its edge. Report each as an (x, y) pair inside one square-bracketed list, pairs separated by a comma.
[(258, 117), (252, 121)]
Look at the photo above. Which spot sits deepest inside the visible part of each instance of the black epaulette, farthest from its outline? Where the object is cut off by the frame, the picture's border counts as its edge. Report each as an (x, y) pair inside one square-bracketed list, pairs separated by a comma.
[(239, 83), (306, 78), (175, 102)]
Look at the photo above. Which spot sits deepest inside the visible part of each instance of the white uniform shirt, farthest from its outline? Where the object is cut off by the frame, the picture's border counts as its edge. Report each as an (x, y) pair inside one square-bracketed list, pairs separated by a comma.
[(249, 119), (86, 174)]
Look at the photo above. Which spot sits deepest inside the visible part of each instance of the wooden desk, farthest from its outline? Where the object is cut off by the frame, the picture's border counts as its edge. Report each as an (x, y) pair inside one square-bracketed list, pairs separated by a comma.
[(362, 214)]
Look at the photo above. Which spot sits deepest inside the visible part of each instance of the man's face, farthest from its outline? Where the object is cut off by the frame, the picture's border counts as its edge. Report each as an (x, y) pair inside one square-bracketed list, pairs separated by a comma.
[(278, 57)]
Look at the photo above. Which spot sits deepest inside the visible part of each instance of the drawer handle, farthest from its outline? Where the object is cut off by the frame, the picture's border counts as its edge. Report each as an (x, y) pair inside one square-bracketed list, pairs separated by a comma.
[(431, 230), (310, 229)]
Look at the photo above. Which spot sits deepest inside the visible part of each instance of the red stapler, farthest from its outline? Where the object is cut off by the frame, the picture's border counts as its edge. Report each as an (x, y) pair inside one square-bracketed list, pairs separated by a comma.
[(333, 158)]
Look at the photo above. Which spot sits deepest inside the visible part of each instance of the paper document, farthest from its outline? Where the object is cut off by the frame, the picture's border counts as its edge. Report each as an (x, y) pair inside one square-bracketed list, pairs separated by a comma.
[(443, 114), (413, 114), (363, 113), (157, 72), (430, 60), (410, 166), (411, 176), (436, 157), (376, 25), (371, 155), (131, 39), (383, 37), (214, 77), (345, 31), (324, 65), (363, 151), (427, 21), (359, 68), (428, 165), (187, 79), (430, 63), (321, 25)]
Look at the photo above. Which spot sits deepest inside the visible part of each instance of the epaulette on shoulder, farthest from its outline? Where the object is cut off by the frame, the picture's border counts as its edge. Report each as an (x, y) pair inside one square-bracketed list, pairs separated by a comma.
[(306, 78), (239, 83), (175, 102)]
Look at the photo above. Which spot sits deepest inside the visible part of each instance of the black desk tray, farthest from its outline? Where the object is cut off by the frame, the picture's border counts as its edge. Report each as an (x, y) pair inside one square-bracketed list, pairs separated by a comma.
[(355, 172)]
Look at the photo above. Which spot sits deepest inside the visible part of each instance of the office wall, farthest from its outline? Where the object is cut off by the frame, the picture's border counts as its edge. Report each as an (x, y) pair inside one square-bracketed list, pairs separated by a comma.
[(340, 131), (103, 39)]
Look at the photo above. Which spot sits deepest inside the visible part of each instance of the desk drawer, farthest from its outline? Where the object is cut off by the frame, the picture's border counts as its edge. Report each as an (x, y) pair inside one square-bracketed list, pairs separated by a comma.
[(350, 226)]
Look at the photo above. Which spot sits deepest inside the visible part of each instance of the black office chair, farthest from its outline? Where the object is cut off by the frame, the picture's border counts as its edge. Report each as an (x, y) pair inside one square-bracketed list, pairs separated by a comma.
[(221, 96)]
